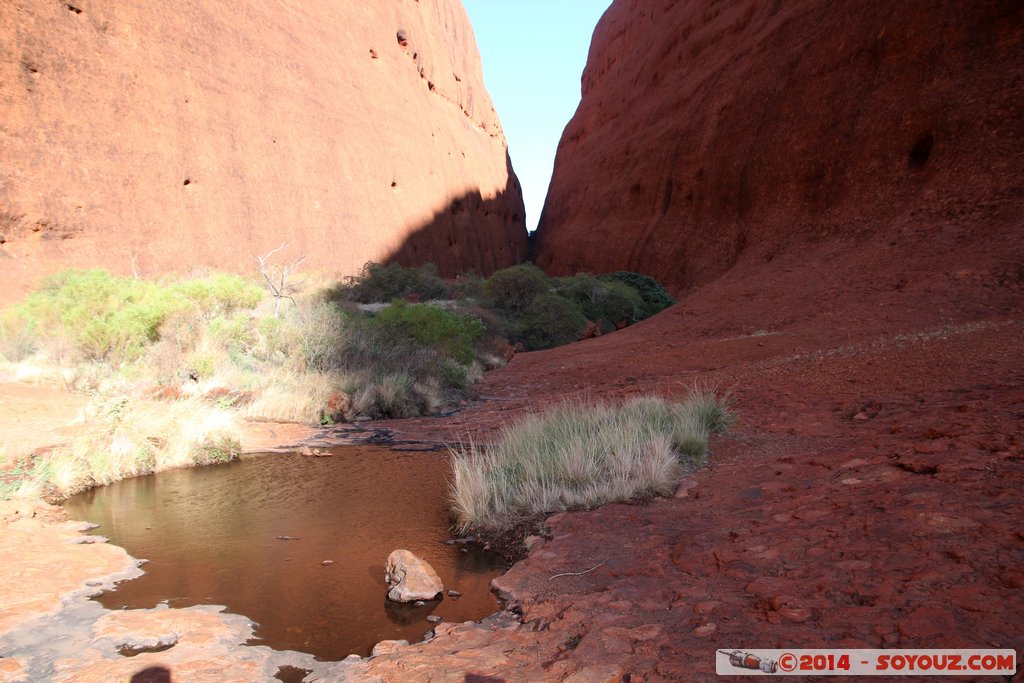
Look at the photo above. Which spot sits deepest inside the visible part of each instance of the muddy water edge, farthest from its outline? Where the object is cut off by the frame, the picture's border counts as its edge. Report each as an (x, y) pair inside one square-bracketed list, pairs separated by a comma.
[(295, 543)]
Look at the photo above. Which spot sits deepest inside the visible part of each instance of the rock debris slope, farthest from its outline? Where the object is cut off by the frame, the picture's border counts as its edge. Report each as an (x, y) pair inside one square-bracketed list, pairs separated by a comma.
[(712, 133), (169, 137)]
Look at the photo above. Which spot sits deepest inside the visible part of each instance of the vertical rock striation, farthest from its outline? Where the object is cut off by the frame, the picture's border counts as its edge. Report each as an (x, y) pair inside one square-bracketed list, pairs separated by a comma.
[(715, 132), (199, 133)]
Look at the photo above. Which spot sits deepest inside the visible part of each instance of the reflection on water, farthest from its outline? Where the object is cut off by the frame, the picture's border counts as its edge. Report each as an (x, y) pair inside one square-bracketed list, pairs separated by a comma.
[(213, 536)]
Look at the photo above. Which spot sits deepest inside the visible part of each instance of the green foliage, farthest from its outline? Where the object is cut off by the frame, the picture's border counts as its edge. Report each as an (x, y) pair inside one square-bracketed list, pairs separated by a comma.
[(609, 303), (379, 283), (451, 334), (236, 333), (108, 318), (655, 297), (550, 320), (105, 317), (513, 289), (219, 294)]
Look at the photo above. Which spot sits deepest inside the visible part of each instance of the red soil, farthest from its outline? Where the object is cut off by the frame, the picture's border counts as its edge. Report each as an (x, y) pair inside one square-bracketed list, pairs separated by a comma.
[(869, 497)]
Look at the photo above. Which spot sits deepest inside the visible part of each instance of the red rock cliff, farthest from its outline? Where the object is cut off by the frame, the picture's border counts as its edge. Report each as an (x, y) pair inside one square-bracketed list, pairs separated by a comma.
[(202, 132), (714, 132)]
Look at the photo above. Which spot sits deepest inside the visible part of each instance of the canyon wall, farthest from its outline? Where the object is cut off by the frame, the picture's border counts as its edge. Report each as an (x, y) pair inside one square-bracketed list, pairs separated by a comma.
[(169, 137), (714, 132)]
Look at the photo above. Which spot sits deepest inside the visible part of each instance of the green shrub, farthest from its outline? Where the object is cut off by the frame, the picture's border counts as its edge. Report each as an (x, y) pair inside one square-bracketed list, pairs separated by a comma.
[(655, 297), (577, 456), (467, 286), (513, 289), (105, 317), (219, 294), (551, 320), (236, 333), (606, 302), (379, 283), (450, 333)]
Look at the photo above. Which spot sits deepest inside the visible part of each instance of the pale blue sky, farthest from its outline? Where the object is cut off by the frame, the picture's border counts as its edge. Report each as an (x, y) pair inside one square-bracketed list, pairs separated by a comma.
[(534, 52)]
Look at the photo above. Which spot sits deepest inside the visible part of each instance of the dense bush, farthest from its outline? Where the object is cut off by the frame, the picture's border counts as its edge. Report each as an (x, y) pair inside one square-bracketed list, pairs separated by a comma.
[(551, 320), (219, 294), (104, 317), (109, 318), (655, 297), (513, 289), (380, 283), (450, 333), (609, 303)]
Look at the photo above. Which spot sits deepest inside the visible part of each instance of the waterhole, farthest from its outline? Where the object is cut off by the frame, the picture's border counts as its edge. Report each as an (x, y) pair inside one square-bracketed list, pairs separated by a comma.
[(297, 544)]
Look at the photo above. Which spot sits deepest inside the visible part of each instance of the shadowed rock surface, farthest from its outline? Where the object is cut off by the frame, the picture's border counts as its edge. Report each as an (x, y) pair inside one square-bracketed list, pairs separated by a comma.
[(199, 134), (711, 134)]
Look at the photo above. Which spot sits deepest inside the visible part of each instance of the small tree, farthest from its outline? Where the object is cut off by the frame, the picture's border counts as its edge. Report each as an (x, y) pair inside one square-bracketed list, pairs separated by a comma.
[(277, 276)]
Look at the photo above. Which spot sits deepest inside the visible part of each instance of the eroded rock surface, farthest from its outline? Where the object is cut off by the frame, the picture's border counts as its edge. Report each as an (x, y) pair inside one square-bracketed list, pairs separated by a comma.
[(716, 133), (150, 138)]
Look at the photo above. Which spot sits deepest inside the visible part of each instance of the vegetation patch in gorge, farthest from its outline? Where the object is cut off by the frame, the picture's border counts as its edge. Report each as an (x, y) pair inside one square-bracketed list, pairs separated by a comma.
[(171, 365), (581, 456)]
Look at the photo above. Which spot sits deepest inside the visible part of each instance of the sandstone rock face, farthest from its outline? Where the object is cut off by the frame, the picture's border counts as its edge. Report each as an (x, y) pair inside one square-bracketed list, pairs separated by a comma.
[(167, 138), (711, 133), (411, 578)]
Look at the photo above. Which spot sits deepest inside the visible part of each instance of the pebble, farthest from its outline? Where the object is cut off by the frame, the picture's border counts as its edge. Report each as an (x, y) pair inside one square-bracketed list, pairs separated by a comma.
[(454, 594), (434, 619), (705, 630), (327, 563)]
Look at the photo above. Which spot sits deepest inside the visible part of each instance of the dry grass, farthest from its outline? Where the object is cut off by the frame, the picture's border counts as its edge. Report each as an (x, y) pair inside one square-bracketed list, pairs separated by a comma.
[(582, 455), (124, 438)]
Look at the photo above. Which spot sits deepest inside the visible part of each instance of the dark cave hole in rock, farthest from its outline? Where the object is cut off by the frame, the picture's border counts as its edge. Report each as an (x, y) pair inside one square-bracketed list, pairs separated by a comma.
[(188, 181), (72, 8), (921, 151), (403, 37)]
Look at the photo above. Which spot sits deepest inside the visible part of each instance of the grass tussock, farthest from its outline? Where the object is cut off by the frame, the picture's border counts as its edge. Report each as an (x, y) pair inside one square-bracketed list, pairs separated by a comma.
[(123, 438), (582, 455)]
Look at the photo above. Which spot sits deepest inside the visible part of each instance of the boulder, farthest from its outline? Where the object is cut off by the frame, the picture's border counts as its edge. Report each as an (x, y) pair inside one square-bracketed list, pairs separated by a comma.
[(411, 578)]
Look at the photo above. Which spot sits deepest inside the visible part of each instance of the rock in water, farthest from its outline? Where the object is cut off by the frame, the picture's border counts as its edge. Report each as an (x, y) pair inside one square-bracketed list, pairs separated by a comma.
[(411, 578)]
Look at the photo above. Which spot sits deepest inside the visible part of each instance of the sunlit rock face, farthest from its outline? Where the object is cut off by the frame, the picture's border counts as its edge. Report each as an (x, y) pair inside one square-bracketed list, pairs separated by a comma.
[(712, 133), (170, 137)]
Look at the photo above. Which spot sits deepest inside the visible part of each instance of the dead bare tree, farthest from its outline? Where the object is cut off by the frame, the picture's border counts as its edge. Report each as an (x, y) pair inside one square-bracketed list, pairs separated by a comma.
[(277, 276)]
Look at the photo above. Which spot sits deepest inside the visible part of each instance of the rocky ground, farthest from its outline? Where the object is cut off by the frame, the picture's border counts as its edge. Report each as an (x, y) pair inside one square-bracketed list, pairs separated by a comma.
[(868, 497)]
